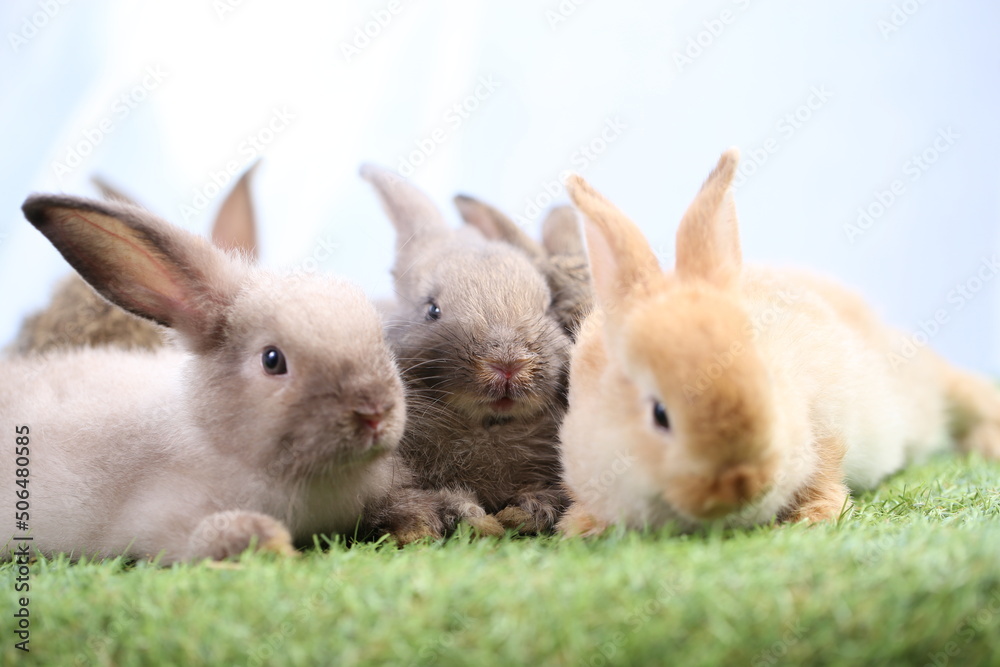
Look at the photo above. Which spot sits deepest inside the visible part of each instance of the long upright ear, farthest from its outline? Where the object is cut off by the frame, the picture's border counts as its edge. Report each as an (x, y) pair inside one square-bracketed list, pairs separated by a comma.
[(110, 192), (412, 212), (141, 263), (562, 233), (235, 226), (708, 239), (495, 225), (621, 261)]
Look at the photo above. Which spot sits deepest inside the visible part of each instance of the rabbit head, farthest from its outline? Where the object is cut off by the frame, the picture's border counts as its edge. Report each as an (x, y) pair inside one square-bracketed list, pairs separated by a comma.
[(561, 257), (473, 327), (712, 450), (272, 375)]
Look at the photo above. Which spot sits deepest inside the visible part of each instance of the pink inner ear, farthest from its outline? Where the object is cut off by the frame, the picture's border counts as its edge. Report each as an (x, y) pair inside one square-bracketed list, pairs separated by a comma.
[(140, 272)]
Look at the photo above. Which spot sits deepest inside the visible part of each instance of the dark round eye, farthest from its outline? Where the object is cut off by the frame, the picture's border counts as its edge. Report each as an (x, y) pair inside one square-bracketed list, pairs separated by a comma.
[(273, 361), (660, 415), (433, 312)]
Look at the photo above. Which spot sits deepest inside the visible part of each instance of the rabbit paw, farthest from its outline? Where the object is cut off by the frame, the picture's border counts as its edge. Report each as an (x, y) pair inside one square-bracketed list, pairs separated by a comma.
[(461, 506), (984, 440), (821, 504), (533, 511), (228, 534), (409, 515), (578, 522)]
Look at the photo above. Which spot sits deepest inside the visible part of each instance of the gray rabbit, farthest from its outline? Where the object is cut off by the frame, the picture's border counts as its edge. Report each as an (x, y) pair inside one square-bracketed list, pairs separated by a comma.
[(485, 361), (275, 415)]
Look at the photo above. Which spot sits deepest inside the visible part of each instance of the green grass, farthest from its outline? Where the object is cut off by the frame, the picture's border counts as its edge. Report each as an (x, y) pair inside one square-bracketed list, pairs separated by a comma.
[(913, 575)]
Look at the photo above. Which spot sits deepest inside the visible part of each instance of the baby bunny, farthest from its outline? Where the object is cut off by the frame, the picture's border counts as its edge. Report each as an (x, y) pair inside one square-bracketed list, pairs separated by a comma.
[(77, 316), (721, 392), (484, 361), (274, 417), (561, 257)]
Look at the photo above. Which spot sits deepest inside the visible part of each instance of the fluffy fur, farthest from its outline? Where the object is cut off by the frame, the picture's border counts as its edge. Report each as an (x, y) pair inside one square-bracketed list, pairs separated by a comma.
[(77, 316), (779, 388), (560, 257), (484, 360), (196, 450)]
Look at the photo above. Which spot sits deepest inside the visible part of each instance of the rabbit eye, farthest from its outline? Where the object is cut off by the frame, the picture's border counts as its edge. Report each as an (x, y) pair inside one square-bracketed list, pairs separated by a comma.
[(660, 415), (433, 312), (273, 361)]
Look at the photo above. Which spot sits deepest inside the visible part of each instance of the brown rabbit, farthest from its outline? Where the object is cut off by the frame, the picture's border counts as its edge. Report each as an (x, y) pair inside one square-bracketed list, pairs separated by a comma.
[(77, 316), (560, 257), (484, 360)]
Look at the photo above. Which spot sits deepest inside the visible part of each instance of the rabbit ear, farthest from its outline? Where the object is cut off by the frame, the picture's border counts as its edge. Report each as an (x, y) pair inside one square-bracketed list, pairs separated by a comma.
[(235, 226), (110, 192), (141, 263), (495, 225), (621, 260), (562, 233), (708, 239), (411, 211)]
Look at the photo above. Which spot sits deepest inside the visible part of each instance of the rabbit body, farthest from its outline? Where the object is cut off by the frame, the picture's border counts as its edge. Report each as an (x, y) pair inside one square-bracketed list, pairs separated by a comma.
[(484, 360), (268, 415), (718, 392)]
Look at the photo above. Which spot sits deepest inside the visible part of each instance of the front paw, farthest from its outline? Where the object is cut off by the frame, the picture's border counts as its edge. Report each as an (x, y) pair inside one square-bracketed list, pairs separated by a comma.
[(228, 534), (461, 506), (533, 512), (578, 522), (409, 515)]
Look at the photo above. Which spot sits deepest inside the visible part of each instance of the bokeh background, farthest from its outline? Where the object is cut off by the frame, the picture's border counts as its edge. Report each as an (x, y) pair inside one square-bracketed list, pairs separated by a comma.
[(848, 109)]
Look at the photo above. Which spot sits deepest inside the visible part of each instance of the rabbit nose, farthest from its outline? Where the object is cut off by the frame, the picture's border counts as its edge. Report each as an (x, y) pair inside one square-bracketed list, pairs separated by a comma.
[(732, 489), (507, 369), (370, 418)]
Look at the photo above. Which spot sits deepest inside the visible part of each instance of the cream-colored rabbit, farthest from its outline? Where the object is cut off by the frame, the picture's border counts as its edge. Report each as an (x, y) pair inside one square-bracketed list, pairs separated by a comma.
[(276, 416), (722, 392), (77, 316)]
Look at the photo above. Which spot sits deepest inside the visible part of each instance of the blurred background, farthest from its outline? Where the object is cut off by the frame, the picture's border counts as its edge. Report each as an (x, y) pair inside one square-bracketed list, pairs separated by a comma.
[(868, 129)]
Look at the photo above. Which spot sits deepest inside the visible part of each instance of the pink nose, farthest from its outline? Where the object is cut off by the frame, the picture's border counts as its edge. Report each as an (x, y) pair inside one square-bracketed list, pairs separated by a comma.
[(370, 420), (507, 369)]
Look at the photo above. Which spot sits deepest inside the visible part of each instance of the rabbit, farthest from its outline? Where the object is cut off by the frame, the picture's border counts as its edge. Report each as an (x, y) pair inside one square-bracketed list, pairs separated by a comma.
[(560, 257), (270, 419), (719, 392), (484, 361), (77, 316)]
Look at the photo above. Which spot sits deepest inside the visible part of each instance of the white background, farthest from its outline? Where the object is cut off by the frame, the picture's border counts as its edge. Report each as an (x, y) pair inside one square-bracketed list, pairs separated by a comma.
[(560, 77)]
